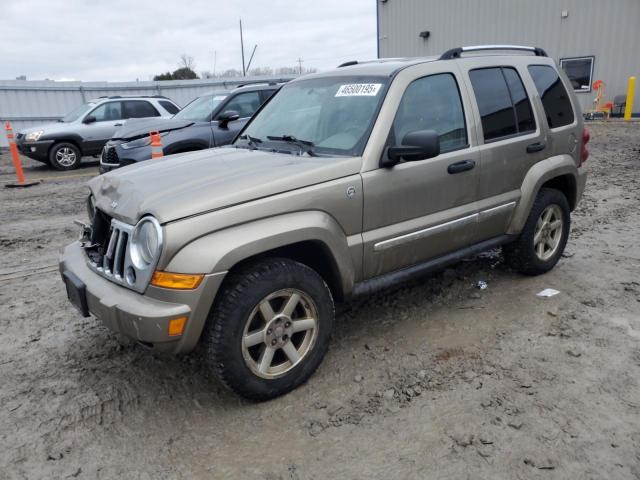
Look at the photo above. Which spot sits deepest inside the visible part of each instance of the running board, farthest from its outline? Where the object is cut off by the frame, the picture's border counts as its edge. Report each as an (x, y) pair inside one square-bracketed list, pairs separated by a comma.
[(422, 269)]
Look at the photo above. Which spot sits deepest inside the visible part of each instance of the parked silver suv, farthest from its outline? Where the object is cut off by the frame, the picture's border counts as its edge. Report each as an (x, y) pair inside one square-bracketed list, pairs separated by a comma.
[(344, 182), (85, 130)]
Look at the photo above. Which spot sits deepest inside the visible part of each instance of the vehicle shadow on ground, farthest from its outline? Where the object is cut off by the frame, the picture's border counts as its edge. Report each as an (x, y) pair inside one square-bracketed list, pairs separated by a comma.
[(183, 378)]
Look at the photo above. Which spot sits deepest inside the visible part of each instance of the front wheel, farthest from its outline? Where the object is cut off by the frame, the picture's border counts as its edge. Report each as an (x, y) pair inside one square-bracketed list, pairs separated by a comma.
[(64, 156), (270, 328), (544, 236)]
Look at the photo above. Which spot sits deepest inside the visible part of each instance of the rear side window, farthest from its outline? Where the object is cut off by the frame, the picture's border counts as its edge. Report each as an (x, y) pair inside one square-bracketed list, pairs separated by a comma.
[(504, 106), (169, 107), (554, 96), (139, 109), (432, 103)]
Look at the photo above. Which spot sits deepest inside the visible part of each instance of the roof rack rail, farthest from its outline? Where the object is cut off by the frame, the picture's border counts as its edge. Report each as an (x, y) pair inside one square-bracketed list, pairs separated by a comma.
[(110, 97), (456, 52)]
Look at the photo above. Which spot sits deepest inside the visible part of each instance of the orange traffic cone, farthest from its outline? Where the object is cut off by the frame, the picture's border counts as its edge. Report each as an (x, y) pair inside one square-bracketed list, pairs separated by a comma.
[(156, 145), (16, 160)]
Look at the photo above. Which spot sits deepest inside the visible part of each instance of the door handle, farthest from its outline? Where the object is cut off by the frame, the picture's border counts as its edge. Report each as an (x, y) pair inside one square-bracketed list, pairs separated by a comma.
[(536, 147), (462, 166), (117, 124)]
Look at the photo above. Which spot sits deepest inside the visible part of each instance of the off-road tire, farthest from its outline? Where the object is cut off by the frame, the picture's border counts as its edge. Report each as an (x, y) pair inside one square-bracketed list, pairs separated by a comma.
[(60, 147), (241, 292), (520, 254)]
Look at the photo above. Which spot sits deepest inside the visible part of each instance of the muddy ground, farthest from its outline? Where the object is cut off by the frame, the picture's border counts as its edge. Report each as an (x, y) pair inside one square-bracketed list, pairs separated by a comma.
[(436, 379)]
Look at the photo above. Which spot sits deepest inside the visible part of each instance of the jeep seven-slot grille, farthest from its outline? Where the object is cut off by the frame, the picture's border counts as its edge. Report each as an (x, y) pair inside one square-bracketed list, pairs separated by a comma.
[(113, 259), (108, 253)]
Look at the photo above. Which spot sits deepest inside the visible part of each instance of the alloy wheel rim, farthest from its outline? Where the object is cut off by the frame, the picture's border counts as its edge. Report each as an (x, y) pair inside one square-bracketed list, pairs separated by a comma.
[(66, 156), (548, 232), (279, 333)]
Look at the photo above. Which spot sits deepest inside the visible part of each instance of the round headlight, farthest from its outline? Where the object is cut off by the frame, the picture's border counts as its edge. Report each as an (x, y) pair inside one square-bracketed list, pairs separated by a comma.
[(146, 242)]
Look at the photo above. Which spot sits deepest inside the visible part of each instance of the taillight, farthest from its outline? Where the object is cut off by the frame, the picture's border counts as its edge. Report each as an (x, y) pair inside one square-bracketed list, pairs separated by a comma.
[(584, 153)]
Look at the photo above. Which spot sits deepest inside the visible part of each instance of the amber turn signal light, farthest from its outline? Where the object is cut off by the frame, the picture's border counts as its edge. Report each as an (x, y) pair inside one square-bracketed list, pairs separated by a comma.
[(176, 326), (176, 281)]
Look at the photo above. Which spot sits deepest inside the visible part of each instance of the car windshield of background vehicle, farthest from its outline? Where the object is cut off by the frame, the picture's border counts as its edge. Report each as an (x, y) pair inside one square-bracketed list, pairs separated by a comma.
[(579, 71), (77, 112), (201, 108), (330, 115)]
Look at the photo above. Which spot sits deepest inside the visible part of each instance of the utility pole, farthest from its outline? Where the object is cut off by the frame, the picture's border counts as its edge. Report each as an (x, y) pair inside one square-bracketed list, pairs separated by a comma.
[(251, 57), (300, 65), (215, 58), (244, 71)]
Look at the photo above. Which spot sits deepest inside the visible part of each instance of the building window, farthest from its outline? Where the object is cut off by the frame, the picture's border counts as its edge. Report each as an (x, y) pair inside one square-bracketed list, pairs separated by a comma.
[(580, 72)]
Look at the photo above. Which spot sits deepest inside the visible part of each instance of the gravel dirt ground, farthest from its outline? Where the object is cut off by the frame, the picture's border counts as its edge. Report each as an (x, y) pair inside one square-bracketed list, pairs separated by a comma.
[(435, 379)]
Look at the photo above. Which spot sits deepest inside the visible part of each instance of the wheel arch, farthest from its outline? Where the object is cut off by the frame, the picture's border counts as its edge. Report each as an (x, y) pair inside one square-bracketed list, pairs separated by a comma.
[(559, 172), (77, 142), (312, 237)]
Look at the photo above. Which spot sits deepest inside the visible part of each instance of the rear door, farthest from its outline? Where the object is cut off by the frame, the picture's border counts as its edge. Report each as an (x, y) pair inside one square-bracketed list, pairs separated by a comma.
[(511, 137), (246, 104)]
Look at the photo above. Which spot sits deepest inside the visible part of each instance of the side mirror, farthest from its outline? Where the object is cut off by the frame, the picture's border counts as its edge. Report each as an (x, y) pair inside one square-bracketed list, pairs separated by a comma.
[(227, 116), (418, 145), (89, 119)]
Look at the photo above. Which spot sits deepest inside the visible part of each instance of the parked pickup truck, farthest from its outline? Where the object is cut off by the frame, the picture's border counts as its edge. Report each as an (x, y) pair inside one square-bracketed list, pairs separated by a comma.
[(344, 182)]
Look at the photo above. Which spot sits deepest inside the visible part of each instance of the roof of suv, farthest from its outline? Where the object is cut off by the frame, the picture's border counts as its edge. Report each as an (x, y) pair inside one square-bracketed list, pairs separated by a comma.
[(388, 66)]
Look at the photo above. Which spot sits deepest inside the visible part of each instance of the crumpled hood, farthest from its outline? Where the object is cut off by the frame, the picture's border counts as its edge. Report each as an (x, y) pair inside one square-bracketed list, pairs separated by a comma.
[(140, 127), (193, 183)]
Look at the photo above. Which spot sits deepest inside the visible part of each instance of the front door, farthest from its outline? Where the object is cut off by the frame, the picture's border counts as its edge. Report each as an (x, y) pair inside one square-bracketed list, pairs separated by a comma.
[(108, 118), (423, 209), (246, 104)]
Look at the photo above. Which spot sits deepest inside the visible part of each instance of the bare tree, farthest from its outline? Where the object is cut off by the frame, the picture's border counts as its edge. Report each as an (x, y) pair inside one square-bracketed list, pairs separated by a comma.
[(186, 61)]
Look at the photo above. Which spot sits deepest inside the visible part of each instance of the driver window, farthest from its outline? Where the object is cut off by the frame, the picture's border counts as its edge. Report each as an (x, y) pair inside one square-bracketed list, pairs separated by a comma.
[(245, 104), (108, 112), (432, 103)]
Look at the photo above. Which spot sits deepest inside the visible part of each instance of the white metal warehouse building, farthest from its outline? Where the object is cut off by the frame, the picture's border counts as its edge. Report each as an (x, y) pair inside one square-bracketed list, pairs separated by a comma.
[(591, 39)]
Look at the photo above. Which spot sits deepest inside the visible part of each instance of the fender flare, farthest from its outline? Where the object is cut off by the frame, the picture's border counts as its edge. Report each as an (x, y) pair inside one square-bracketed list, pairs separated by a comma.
[(221, 250), (538, 175)]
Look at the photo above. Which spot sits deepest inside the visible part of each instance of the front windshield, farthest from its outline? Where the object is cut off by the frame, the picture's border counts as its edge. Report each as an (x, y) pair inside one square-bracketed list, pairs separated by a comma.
[(201, 108), (330, 115), (77, 112)]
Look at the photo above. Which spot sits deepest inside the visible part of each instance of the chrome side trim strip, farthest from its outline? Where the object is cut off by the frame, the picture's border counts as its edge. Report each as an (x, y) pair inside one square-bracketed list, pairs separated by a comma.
[(425, 232), (494, 210)]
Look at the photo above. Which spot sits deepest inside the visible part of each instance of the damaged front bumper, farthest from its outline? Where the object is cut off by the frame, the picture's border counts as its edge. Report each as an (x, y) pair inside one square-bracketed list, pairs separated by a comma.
[(142, 317)]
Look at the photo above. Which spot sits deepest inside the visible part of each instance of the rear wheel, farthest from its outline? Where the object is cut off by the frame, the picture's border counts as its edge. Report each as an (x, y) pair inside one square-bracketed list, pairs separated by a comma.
[(544, 236), (270, 328), (64, 156)]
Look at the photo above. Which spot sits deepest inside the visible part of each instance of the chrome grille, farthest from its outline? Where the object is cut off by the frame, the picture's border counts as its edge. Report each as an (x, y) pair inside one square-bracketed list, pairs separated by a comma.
[(113, 259), (108, 253)]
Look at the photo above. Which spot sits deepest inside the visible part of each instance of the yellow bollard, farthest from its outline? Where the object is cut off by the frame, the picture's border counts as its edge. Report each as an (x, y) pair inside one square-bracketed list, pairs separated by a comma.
[(631, 90)]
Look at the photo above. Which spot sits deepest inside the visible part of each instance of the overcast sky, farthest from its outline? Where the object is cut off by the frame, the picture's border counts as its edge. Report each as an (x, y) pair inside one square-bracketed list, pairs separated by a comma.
[(120, 40)]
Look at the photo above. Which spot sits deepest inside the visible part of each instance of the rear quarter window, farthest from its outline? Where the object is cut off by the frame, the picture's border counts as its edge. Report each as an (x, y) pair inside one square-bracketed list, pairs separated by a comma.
[(554, 96)]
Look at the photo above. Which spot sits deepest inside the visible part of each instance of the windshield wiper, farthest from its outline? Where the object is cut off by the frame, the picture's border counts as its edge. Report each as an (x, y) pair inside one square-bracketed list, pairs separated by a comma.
[(305, 145), (251, 141)]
